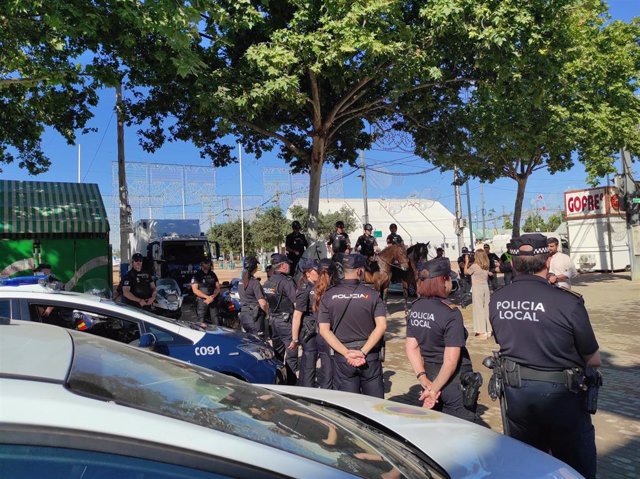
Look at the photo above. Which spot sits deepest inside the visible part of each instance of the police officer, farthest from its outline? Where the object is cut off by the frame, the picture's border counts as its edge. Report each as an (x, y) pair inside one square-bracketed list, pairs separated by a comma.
[(465, 279), (545, 337), (505, 267), (280, 291), (352, 319), (138, 287), (435, 344), (394, 237), (366, 244), (339, 241), (305, 323), (206, 287), (494, 267), (295, 244), (253, 304), (327, 277), (439, 252)]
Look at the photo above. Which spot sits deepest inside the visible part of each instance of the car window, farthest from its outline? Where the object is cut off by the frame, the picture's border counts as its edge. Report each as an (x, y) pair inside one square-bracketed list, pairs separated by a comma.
[(5, 308), (33, 462), (99, 324), (172, 388), (165, 337)]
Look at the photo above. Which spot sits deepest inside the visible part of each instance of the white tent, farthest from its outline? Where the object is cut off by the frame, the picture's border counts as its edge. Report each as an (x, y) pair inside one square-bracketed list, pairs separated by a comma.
[(419, 220)]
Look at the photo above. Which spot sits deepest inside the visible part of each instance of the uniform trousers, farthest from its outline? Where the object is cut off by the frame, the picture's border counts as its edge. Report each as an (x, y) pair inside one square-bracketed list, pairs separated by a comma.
[(280, 339), (206, 311), (250, 323), (480, 296), (309, 359), (451, 401), (549, 417), (325, 373), (366, 379)]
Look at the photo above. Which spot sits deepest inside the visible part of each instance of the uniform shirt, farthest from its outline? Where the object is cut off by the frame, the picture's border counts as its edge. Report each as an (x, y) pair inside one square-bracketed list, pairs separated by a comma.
[(436, 325), (251, 293), (394, 238), (206, 281), (139, 283), (562, 264), (505, 263), (280, 291), (297, 242), (339, 242), (493, 259), (472, 258), (540, 326), (305, 296), (364, 305), (367, 245)]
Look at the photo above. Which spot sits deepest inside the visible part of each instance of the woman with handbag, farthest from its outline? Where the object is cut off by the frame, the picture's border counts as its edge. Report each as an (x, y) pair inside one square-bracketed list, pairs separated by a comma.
[(435, 345), (304, 324), (253, 304)]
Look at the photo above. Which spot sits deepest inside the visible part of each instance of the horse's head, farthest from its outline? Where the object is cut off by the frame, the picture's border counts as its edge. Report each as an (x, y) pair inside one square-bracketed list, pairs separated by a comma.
[(399, 256)]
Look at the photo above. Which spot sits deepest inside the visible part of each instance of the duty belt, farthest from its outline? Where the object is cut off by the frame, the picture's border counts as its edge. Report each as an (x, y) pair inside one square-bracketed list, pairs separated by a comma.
[(546, 376)]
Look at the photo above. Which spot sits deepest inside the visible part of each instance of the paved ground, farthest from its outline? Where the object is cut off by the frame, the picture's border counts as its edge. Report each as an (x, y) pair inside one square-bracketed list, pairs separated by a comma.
[(613, 302)]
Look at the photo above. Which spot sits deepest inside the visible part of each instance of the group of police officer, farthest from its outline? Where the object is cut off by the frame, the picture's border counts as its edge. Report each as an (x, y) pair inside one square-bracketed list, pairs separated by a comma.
[(545, 371)]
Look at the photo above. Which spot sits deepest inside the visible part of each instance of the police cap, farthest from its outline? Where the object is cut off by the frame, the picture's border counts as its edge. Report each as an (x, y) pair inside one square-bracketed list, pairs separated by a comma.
[(137, 257), (296, 225), (436, 267), (278, 258), (353, 261), (537, 242), (251, 263), (368, 227), (339, 224), (308, 263), (465, 249), (326, 264), (205, 260)]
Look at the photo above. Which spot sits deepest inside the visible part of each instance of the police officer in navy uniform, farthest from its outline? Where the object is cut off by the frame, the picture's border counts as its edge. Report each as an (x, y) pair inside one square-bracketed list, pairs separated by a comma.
[(206, 287), (366, 244), (339, 241), (295, 244), (352, 320), (305, 323), (436, 339), (394, 237), (138, 287), (544, 333), (253, 304), (280, 291)]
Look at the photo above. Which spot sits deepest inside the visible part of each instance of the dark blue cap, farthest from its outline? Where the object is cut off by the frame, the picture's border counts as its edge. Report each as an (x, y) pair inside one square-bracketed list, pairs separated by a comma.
[(436, 267), (308, 263), (353, 261), (537, 242), (278, 258), (251, 263), (326, 264)]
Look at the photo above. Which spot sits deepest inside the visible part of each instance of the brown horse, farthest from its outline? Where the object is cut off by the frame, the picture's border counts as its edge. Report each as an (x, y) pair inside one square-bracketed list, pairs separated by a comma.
[(393, 265)]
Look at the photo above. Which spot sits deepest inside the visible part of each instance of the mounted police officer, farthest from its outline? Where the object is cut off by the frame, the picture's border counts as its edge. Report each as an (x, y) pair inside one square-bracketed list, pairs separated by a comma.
[(280, 291), (394, 237), (138, 287), (339, 241), (435, 345), (548, 353), (295, 244), (352, 320), (206, 286), (366, 244)]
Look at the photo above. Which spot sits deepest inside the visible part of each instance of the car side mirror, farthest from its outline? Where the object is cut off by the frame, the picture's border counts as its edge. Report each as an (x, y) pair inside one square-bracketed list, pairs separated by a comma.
[(147, 340)]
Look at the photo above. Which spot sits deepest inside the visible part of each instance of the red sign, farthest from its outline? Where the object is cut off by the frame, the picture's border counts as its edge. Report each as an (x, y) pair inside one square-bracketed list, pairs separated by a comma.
[(591, 203)]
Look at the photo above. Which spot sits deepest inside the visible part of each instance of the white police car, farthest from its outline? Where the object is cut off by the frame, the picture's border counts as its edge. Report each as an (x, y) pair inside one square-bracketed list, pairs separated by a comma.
[(221, 349), (74, 405)]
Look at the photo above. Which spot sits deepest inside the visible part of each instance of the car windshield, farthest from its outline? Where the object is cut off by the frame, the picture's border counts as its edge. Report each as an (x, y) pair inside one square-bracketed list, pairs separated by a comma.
[(175, 389), (178, 322), (181, 251)]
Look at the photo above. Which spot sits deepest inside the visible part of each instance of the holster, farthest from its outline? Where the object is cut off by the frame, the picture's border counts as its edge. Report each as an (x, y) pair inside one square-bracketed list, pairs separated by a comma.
[(281, 316), (511, 373), (470, 383), (593, 381), (309, 329)]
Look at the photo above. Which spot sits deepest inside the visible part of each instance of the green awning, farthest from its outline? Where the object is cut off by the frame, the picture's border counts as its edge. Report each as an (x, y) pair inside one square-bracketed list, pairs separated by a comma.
[(38, 208)]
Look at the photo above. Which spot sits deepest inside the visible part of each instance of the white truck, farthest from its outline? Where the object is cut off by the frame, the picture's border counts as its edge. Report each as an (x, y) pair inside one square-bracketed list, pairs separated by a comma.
[(172, 248)]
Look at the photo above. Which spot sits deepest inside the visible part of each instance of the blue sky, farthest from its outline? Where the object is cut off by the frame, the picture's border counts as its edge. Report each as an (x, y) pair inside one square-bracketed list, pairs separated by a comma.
[(98, 150)]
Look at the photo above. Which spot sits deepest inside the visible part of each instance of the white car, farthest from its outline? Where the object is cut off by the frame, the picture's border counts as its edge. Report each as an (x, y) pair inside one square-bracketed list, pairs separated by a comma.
[(75, 405)]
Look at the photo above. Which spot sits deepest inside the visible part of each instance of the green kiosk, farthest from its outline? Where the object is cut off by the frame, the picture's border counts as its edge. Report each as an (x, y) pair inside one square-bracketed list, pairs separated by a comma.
[(63, 224)]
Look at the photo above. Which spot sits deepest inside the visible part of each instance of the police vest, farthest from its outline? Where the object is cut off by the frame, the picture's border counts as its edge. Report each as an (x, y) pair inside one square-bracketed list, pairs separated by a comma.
[(206, 281), (366, 245), (274, 293), (339, 243)]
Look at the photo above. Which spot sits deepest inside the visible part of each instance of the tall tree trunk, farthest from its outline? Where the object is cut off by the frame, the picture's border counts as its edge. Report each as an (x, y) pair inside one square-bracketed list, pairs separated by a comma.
[(517, 212), (125, 225), (315, 175)]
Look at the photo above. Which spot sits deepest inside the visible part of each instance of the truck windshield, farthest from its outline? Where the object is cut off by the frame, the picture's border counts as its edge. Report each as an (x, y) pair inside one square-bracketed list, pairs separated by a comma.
[(189, 252)]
